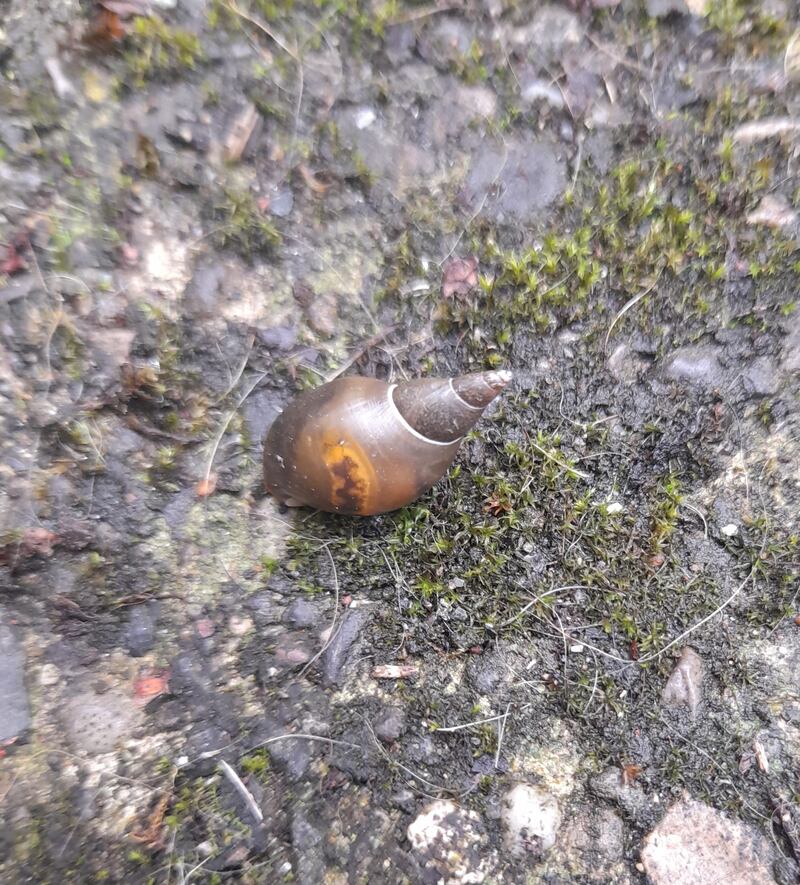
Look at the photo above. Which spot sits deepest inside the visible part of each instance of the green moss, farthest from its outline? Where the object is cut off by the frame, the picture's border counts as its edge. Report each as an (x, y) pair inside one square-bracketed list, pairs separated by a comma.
[(242, 226), (155, 49)]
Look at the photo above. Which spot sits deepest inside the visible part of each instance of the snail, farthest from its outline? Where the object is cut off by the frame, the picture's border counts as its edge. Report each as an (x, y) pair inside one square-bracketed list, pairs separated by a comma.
[(362, 446)]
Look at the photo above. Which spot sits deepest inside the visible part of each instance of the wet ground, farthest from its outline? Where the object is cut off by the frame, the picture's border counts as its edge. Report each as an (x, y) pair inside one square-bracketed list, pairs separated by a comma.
[(576, 659)]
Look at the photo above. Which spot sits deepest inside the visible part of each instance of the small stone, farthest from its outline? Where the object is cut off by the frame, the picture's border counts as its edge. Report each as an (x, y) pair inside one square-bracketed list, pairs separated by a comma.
[(97, 723), (593, 841), (319, 309), (684, 687), (773, 211), (15, 715), (404, 800), (610, 785), (281, 202), (390, 724), (698, 365), (202, 296), (336, 653), (49, 675), (364, 117), (308, 844), (292, 652), (694, 843), (302, 613), (140, 634), (761, 377), (452, 842), (204, 748), (205, 628), (531, 819), (730, 529), (240, 625), (539, 89), (292, 756), (767, 127), (552, 30)]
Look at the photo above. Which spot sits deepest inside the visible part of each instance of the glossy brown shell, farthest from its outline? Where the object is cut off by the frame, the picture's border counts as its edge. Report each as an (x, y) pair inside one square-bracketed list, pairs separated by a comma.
[(345, 448)]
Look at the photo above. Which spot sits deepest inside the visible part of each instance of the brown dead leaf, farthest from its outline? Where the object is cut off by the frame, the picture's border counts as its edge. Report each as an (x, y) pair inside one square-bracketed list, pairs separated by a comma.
[(106, 30), (206, 486), (460, 276), (496, 506), (629, 774), (395, 671), (153, 835), (240, 133)]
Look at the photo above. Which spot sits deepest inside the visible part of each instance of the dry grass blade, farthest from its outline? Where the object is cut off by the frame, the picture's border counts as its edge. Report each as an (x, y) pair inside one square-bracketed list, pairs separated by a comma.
[(631, 303)]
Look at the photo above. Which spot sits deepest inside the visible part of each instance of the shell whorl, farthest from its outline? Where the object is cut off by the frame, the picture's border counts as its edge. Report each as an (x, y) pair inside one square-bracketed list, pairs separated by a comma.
[(444, 409)]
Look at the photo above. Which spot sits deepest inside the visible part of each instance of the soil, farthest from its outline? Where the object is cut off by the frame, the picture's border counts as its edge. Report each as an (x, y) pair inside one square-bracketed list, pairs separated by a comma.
[(209, 206)]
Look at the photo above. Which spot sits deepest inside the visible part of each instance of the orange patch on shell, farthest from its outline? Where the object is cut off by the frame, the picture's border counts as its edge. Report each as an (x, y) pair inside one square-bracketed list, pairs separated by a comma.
[(351, 474)]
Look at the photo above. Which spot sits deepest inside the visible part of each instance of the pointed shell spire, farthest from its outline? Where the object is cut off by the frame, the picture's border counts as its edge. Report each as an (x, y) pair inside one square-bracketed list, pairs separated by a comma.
[(444, 409)]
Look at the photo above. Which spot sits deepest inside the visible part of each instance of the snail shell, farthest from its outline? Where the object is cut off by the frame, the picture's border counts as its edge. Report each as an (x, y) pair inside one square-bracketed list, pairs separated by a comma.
[(362, 446)]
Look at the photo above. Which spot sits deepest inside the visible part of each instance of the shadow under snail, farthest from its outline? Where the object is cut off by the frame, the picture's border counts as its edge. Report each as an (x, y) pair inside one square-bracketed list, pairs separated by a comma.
[(361, 446)]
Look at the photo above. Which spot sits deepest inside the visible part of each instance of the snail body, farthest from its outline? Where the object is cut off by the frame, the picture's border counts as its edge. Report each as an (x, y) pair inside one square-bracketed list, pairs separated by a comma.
[(361, 446)]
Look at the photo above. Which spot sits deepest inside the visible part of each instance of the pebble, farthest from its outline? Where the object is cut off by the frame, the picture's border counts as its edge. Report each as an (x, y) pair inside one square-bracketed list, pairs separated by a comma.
[(551, 31), (773, 211), (293, 651), (302, 613), (208, 739), (390, 724), (451, 842), (15, 714), (335, 655), (140, 634), (307, 842), (695, 843), (201, 298), (281, 202), (293, 756), (684, 687), (531, 818), (593, 841), (791, 346), (97, 723), (697, 364), (240, 625), (49, 675), (629, 796), (761, 376)]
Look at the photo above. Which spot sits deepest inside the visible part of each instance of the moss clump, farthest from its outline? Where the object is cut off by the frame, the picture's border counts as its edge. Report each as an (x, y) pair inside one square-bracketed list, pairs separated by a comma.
[(243, 227), (155, 49)]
